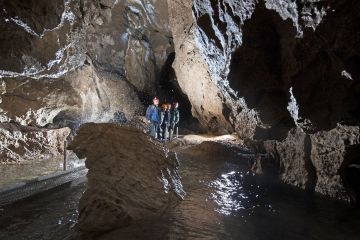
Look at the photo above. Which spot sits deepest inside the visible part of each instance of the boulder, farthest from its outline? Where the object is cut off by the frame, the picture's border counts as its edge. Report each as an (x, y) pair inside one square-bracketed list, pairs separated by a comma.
[(130, 177)]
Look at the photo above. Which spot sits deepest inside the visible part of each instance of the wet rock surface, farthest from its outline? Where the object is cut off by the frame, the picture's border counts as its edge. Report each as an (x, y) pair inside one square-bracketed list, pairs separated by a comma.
[(324, 162), (330, 152), (130, 178)]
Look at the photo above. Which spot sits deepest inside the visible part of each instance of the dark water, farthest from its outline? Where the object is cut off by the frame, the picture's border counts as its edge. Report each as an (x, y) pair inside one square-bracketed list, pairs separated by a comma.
[(224, 201), (47, 216)]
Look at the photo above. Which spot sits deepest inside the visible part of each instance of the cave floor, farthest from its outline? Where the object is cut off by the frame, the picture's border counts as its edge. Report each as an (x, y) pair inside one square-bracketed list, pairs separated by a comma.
[(224, 201)]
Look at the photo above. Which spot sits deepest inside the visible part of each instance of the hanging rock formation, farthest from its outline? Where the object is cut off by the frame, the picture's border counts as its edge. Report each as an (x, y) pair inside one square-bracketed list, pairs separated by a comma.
[(130, 177)]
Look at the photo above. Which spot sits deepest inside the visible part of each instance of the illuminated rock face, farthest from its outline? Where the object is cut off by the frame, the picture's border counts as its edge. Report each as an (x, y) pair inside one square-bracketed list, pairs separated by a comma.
[(68, 62), (274, 59), (192, 72), (19, 144), (107, 54), (321, 161), (130, 177)]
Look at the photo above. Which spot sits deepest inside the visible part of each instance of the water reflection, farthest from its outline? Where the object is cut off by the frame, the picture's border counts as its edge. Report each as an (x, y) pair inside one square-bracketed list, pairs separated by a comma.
[(235, 195), (228, 195), (223, 201)]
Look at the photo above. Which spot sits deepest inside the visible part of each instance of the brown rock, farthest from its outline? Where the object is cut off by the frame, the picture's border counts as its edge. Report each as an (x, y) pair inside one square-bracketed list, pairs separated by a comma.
[(130, 177), (192, 71)]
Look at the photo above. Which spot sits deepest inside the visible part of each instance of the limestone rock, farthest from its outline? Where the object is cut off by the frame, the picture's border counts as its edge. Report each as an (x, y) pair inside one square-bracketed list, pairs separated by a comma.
[(296, 167), (109, 53), (320, 162), (288, 72), (66, 62), (279, 71), (130, 177), (329, 154), (81, 96), (19, 144), (192, 73)]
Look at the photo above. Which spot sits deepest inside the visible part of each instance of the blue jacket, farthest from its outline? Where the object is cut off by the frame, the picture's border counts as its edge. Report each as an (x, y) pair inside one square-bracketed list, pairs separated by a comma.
[(152, 114)]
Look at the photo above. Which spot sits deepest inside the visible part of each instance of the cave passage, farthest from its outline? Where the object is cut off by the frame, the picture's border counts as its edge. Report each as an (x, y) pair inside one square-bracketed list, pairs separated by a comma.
[(269, 132)]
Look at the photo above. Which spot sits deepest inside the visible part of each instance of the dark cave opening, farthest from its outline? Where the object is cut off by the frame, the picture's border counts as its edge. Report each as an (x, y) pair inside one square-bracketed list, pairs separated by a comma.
[(169, 91), (256, 72), (324, 95)]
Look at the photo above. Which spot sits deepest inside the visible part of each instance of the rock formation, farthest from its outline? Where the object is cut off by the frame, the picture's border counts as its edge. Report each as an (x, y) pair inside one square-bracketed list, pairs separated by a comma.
[(130, 176), (22, 143), (66, 62), (103, 54), (284, 75), (193, 73)]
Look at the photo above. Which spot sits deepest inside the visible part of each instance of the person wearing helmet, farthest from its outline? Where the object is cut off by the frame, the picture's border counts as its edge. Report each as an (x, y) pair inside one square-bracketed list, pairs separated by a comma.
[(174, 119), (153, 117)]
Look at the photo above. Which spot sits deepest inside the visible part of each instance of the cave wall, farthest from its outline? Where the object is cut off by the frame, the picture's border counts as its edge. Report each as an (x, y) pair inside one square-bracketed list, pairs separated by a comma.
[(67, 62), (284, 60), (99, 44), (288, 72)]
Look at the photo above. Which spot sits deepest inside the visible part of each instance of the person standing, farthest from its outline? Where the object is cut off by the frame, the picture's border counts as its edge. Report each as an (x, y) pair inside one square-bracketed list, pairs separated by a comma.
[(165, 121), (174, 119), (153, 117)]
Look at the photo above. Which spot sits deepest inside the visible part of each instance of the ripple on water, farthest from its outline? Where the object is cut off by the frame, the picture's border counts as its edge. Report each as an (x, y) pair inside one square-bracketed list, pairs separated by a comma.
[(234, 194)]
